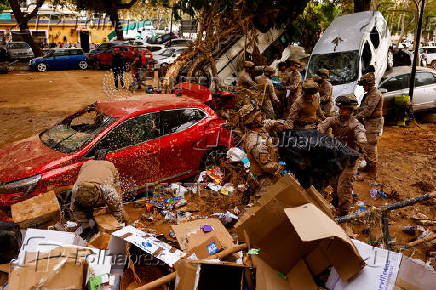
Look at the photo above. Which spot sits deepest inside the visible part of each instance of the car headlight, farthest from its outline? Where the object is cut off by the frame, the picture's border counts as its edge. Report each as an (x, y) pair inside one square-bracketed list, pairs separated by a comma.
[(25, 185)]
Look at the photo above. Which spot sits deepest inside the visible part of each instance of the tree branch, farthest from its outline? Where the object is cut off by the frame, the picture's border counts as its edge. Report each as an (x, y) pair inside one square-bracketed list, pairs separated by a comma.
[(34, 11)]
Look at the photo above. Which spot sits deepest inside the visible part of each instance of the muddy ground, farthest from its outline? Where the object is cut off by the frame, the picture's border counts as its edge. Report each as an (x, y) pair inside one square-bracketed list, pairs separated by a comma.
[(30, 102)]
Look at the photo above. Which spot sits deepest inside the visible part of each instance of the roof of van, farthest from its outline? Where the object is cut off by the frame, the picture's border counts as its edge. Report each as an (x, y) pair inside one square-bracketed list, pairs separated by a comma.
[(347, 31)]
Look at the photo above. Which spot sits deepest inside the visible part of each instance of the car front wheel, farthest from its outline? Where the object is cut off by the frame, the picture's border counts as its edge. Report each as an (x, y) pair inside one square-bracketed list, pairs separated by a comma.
[(213, 157), (83, 64), (41, 66)]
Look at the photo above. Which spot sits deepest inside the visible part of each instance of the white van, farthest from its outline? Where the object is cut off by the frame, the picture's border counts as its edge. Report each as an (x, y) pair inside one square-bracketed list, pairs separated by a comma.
[(348, 47)]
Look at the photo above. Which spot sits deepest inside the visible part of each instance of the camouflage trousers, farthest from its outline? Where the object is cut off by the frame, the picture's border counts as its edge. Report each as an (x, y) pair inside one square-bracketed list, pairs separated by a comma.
[(82, 211), (268, 110), (343, 189), (373, 129)]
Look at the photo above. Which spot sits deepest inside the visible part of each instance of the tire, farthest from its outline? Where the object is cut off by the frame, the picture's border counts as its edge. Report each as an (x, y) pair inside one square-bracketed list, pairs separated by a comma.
[(97, 65), (213, 157), (390, 60), (83, 64), (41, 67)]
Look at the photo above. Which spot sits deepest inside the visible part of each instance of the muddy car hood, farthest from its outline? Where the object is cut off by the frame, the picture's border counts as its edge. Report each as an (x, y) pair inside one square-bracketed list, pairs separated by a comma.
[(26, 158)]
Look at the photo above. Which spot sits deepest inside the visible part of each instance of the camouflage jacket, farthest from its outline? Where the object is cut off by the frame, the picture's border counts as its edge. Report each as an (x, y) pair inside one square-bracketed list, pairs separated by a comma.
[(305, 111), (245, 80), (350, 133), (371, 106), (262, 154)]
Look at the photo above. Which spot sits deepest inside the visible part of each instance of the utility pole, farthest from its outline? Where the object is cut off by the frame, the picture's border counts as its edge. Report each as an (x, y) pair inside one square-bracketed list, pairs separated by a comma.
[(171, 25), (415, 56)]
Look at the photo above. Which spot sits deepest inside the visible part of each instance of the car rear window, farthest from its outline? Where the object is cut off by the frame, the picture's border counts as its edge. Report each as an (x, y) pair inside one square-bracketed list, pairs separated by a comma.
[(174, 121)]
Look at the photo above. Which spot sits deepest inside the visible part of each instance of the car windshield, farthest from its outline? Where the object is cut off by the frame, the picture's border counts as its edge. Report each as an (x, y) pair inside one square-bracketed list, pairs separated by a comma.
[(76, 131), (343, 66), (167, 52), (18, 45)]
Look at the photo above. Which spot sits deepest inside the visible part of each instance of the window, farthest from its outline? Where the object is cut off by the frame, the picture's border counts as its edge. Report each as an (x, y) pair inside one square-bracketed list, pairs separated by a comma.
[(424, 78), (431, 50), (175, 121), (60, 52), (396, 83), (76, 131), (366, 57), (153, 48), (131, 132), (374, 37), (180, 50), (343, 66)]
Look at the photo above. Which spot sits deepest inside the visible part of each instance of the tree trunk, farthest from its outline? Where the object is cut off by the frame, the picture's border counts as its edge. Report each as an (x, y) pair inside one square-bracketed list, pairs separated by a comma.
[(27, 37), (23, 20), (362, 5), (113, 14)]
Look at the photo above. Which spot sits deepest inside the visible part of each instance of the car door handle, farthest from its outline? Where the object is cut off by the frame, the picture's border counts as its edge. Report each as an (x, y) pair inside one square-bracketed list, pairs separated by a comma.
[(150, 152)]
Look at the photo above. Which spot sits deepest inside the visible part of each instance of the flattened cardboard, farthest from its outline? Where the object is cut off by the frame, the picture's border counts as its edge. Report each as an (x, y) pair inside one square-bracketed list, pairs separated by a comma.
[(146, 242), (190, 235)]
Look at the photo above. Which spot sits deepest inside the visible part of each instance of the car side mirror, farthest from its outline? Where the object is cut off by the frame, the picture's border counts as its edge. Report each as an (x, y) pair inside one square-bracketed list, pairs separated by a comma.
[(383, 90)]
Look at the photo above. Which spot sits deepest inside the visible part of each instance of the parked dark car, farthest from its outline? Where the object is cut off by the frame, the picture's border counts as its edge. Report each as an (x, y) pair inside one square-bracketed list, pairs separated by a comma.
[(60, 59)]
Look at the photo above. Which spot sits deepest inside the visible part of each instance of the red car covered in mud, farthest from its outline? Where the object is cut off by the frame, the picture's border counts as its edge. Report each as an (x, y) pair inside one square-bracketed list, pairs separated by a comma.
[(155, 138), (104, 59)]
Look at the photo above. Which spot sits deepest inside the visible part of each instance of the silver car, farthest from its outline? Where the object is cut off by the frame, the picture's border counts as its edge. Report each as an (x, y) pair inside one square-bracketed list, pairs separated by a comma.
[(19, 50), (396, 82)]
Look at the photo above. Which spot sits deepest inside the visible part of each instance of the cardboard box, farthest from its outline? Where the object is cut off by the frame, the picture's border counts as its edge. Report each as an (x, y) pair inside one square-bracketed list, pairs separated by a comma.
[(414, 276), (37, 211), (209, 275), (107, 223), (296, 237), (193, 239), (46, 240), (60, 268)]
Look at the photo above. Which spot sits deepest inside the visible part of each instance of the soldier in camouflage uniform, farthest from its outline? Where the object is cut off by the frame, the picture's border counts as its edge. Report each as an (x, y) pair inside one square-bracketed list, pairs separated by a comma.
[(371, 111), (269, 96), (98, 181), (295, 84), (349, 131), (245, 79), (306, 111), (258, 145), (325, 92)]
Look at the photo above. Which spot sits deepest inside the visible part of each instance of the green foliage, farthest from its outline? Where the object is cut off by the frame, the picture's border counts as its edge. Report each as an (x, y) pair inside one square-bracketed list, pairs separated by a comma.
[(307, 27), (4, 4)]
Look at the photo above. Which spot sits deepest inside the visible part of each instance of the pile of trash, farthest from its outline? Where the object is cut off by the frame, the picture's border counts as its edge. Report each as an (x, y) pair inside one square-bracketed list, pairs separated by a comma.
[(288, 239)]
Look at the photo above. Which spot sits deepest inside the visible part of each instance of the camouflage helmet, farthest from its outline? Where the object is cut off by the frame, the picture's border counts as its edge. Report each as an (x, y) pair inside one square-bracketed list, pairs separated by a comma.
[(248, 64), (347, 101), (323, 73), (268, 70), (310, 87), (297, 63), (248, 114), (317, 79), (368, 78)]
